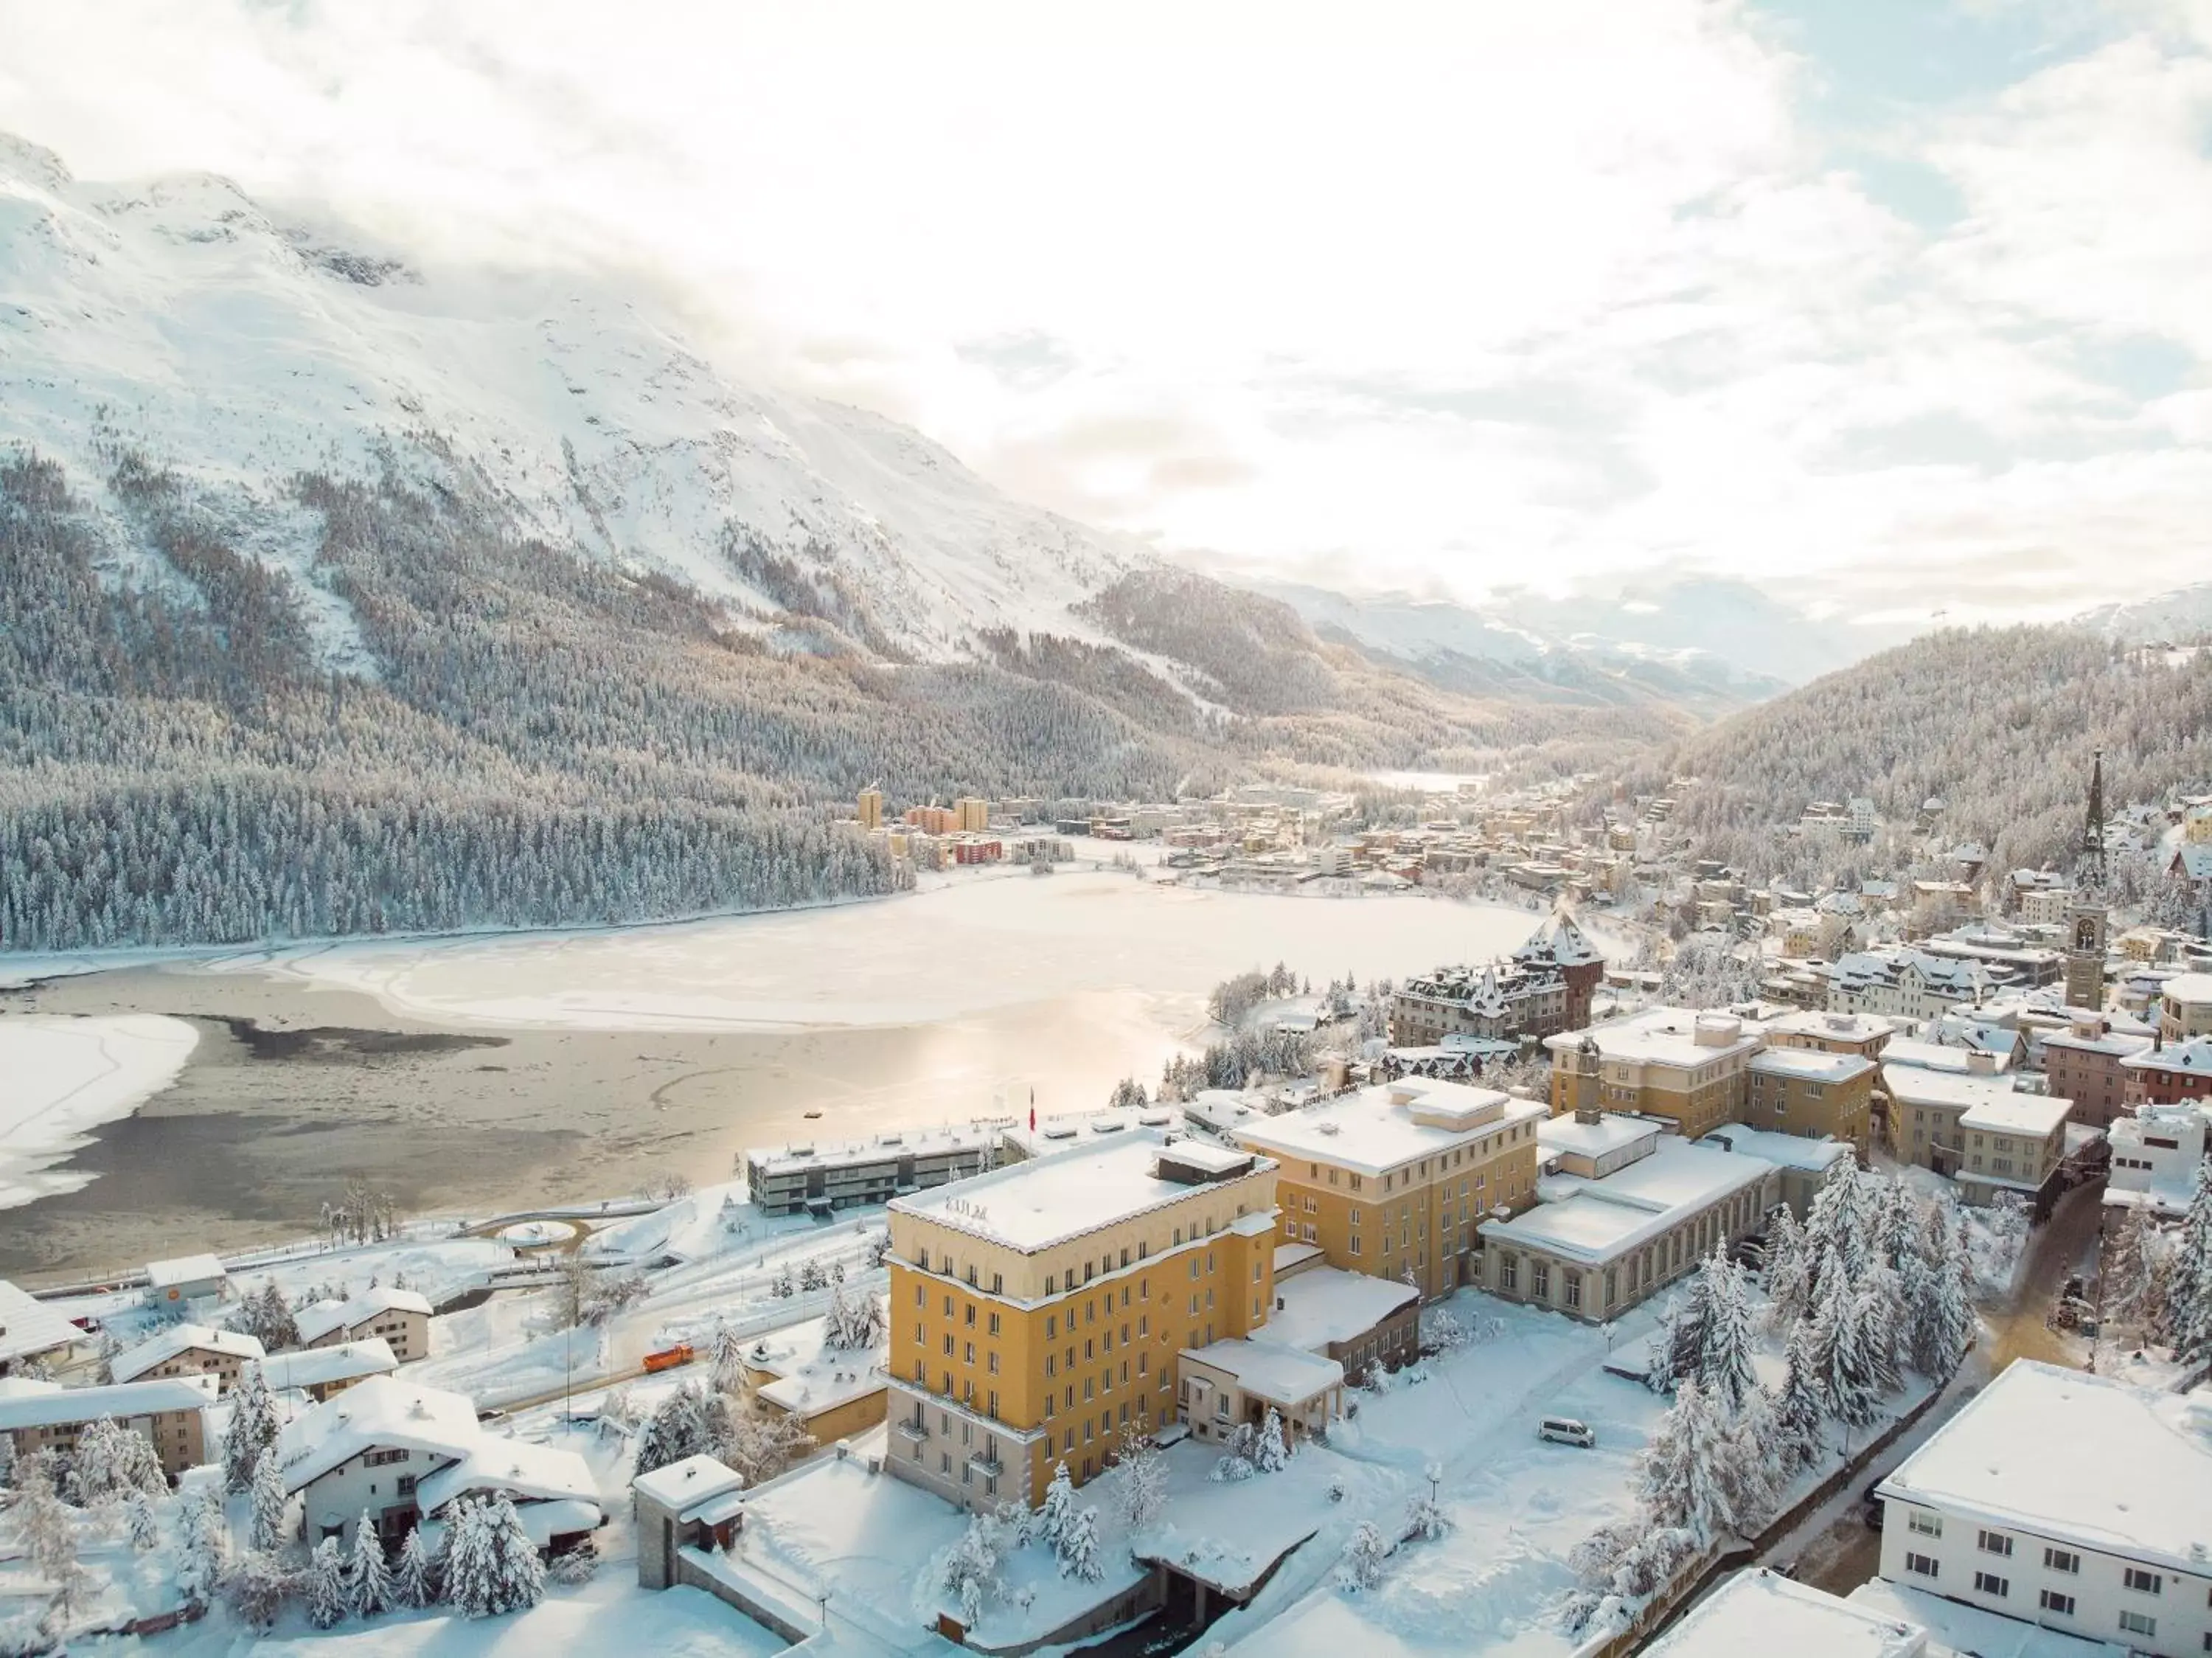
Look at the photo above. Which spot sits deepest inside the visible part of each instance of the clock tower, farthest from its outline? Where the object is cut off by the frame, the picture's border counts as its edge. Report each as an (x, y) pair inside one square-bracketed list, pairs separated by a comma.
[(2086, 916)]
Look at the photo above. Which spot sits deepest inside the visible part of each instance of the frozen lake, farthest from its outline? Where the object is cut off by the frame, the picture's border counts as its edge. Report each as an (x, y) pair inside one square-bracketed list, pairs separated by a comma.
[(494, 1072), (968, 946)]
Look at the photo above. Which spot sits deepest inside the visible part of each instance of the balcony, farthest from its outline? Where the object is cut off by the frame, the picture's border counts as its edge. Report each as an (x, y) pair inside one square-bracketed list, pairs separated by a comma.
[(986, 1462), (910, 1430)]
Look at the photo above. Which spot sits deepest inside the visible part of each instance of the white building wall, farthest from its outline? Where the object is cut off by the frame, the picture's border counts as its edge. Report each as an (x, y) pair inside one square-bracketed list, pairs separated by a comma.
[(2181, 1610), (339, 1496)]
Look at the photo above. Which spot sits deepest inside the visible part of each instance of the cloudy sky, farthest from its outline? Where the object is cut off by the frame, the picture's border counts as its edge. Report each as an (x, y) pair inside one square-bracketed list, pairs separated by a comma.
[(1893, 306)]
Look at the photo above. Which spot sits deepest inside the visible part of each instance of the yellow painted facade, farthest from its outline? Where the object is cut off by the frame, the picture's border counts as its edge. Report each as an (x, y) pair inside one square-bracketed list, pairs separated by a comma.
[(1006, 1360)]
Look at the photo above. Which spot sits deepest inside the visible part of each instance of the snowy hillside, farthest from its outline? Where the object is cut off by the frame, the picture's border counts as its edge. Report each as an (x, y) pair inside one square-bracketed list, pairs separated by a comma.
[(2183, 616), (180, 318)]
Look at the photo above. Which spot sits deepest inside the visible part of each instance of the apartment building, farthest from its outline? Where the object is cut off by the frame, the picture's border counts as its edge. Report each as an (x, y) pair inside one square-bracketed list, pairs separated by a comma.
[(1544, 987), (1824, 1032), (1805, 1092), (322, 1372), (2068, 1501), (1392, 1180), (1975, 1127), (188, 1350), (821, 1176), (2082, 1063), (42, 1416), (400, 1318), (2167, 1073), (1692, 1069), (2184, 1006), (1037, 1311), (2157, 1150)]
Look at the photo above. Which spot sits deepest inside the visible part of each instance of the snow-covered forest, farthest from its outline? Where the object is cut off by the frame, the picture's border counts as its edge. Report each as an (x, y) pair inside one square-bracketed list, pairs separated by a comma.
[(1999, 723)]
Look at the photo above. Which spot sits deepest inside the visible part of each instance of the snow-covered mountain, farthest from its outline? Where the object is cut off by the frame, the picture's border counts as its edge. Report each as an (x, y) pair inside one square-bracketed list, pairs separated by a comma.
[(2182, 616), (181, 319)]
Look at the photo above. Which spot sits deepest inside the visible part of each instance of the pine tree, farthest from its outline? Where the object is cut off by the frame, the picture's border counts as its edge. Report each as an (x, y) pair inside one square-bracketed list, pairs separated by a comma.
[(1897, 1219), (1143, 1480), (1788, 1275), (203, 1547), (1845, 1379), (1270, 1453), (1878, 1309), (971, 1566), (1724, 1364), (1364, 1554), (1057, 1511), (1687, 1331), (1079, 1553), (492, 1566), (110, 1461), (1800, 1413), (2192, 1295), (253, 1428), (1680, 1479), (47, 1532), (368, 1580), (414, 1585), (259, 1585), (725, 1350), (270, 1500), (324, 1584), (145, 1524)]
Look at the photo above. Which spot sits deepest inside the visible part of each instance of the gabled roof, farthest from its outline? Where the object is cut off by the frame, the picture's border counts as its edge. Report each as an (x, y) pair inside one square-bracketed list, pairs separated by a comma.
[(381, 1413), (185, 1269), (536, 1473), (317, 1367), (317, 1318), (178, 1339), (46, 1404), (29, 1326)]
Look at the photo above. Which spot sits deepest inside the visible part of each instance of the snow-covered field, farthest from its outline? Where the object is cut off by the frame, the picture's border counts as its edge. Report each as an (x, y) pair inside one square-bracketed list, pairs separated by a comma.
[(958, 949), (65, 1077)]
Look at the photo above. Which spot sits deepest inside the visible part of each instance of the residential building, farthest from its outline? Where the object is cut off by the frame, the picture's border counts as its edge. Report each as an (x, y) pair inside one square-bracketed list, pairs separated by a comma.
[(1691, 1067), (2184, 1006), (1390, 1180), (2167, 1073), (1805, 1092), (871, 808), (820, 1176), (400, 1452), (32, 1333), (1759, 1611), (2082, 1063), (2157, 1150), (971, 815), (1806, 1164), (1358, 1320), (1037, 1310), (832, 1393), (400, 1318), (188, 1350), (1906, 984), (323, 1373), (1861, 1033), (187, 1278), (1235, 1383), (1595, 1247), (2068, 1501), (1976, 1127), (1545, 986), (42, 1416)]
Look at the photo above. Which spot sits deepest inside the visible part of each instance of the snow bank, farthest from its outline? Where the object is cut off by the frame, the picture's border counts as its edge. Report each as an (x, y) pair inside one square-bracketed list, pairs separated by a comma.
[(65, 1077), (612, 1615)]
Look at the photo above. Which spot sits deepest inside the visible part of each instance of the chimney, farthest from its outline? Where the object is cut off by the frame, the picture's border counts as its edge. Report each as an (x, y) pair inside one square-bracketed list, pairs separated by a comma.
[(1589, 1116)]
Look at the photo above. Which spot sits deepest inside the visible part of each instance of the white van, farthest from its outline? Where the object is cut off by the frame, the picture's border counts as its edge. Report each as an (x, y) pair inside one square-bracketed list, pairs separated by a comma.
[(1565, 1430)]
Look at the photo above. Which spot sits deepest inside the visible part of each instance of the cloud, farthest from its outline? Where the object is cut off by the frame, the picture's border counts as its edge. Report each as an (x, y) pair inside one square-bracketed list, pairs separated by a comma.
[(1835, 295)]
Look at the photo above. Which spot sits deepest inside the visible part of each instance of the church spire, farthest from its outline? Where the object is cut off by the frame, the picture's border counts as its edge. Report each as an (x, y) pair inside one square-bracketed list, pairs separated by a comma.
[(2093, 833)]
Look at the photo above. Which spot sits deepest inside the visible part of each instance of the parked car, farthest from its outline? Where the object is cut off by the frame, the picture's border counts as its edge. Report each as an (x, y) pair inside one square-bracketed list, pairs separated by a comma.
[(1565, 1430)]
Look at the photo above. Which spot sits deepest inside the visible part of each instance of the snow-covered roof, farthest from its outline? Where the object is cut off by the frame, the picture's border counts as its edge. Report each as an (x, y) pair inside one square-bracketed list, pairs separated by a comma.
[(2116, 1043), (1912, 1085), (47, 1405), (1326, 1304), (1836, 1026), (178, 1339), (883, 1147), (2120, 1469), (319, 1319), (2036, 1114), (1596, 1220), (1757, 1611), (1811, 1065), (537, 1473), (1382, 1128), (1956, 1630), (1034, 1205), (29, 1326), (695, 1479), (1220, 1109), (1559, 939), (185, 1269), (1813, 1152), (541, 1522), (1911, 1051), (1273, 1371), (2188, 989), (381, 1412), (1667, 1036), (1290, 1255), (809, 1375), (1612, 1132), (318, 1367), (2191, 1058)]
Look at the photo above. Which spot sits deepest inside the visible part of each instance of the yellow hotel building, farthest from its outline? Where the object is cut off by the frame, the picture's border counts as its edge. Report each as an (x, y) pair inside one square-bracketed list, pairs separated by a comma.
[(1393, 1180), (1038, 1311)]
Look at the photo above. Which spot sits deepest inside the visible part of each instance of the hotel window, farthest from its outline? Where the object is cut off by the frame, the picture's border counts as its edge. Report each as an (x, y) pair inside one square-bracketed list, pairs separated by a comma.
[(2136, 1623), (2145, 1582), (991, 1363), (1539, 1280), (1921, 1565), (1993, 1543), (1991, 1583), (1928, 1525), (994, 1325), (2052, 1600)]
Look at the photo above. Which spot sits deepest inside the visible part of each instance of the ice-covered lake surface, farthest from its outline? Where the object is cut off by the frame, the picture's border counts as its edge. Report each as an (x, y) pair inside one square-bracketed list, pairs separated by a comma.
[(967, 946), (65, 1078)]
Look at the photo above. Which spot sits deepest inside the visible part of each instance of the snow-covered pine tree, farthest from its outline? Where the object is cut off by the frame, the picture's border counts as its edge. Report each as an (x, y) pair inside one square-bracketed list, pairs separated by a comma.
[(1879, 1310), (1724, 1363), (725, 1357), (1271, 1453), (110, 1461), (1080, 1553), (203, 1547), (971, 1566), (270, 1500), (323, 1584), (1685, 1332), (259, 1585), (368, 1580), (47, 1531), (492, 1567), (811, 1274), (253, 1428), (1788, 1275), (414, 1584), (2192, 1295), (145, 1524), (1057, 1511), (1364, 1554), (1897, 1219), (1800, 1413), (2140, 1274), (1845, 1378), (1680, 1479), (272, 1323), (1141, 1482)]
